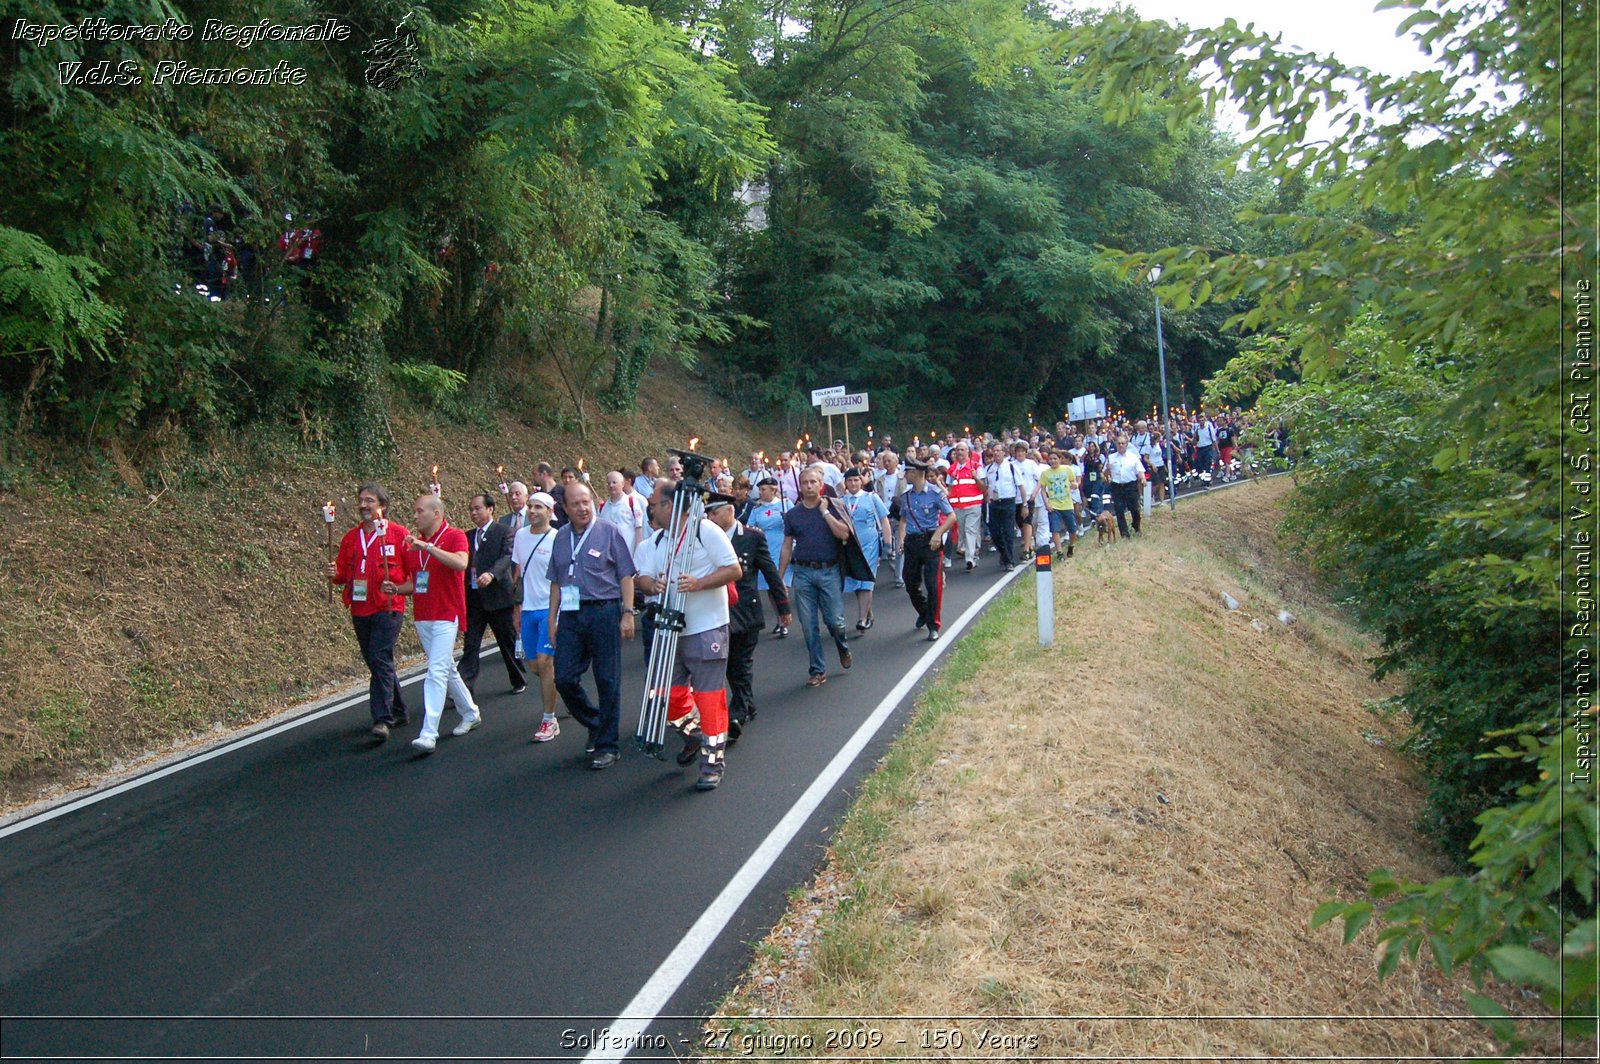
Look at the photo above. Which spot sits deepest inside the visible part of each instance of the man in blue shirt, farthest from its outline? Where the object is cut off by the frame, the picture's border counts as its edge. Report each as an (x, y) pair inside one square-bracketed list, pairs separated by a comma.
[(591, 612), (812, 532), (925, 519)]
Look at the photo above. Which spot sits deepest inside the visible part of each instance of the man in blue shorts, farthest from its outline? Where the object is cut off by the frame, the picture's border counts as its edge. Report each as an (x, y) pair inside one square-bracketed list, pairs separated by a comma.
[(530, 555)]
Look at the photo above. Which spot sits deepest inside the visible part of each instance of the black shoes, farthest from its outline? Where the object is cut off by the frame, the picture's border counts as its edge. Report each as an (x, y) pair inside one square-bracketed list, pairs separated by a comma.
[(380, 731), (604, 761), (519, 689), (691, 749)]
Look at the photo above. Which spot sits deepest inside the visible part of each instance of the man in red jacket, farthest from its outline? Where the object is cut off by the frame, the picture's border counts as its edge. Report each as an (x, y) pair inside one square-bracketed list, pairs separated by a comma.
[(370, 556), (435, 556), (965, 479)]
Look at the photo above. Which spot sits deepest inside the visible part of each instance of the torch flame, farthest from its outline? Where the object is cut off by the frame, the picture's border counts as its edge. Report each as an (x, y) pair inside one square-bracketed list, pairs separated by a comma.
[(435, 473), (580, 465), (694, 441), (499, 470)]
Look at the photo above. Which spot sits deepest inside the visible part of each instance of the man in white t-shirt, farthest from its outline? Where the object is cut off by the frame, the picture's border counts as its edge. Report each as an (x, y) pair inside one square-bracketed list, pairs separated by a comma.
[(530, 557), (698, 702), (623, 508), (1205, 442)]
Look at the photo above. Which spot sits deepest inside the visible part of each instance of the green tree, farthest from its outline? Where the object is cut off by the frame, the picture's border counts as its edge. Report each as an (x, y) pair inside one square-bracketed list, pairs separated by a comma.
[(1415, 287)]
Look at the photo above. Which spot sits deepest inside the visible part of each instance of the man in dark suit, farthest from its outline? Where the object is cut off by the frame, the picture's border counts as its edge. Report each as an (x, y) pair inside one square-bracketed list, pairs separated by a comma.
[(490, 595), (745, 618)]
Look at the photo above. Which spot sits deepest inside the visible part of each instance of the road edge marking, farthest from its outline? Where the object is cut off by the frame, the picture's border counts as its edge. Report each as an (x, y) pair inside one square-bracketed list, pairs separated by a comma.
[(24, 819), (647, 1004)]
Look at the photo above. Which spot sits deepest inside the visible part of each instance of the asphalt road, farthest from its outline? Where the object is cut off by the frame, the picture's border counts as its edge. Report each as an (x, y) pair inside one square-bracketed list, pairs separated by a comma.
[(317, 896)]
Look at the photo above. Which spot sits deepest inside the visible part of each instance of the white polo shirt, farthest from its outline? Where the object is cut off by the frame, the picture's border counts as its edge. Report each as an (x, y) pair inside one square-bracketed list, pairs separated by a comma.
[(1126, 466)]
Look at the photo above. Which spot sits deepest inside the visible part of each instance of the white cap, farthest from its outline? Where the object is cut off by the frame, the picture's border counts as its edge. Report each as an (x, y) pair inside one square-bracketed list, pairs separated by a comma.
[(543, 498)]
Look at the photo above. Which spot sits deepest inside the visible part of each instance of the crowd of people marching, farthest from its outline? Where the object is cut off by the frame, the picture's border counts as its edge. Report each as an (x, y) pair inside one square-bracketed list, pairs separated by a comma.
[(562, 573)]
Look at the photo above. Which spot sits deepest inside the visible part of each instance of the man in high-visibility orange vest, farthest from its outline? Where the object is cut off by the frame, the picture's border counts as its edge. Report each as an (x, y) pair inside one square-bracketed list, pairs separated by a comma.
[(965, 480)]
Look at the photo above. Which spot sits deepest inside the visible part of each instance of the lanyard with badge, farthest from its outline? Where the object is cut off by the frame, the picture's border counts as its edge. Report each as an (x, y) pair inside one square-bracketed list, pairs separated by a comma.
[(359, 587), (423, 558), (569, 590)]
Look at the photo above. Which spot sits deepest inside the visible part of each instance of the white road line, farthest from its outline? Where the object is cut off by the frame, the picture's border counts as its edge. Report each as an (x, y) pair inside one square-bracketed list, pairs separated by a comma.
[(652, 998), (199, 759)]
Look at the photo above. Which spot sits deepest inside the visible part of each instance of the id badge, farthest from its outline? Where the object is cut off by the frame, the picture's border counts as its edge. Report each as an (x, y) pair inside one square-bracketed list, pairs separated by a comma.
[(358, 591), (569, 598), (422, 582), (472, 577)]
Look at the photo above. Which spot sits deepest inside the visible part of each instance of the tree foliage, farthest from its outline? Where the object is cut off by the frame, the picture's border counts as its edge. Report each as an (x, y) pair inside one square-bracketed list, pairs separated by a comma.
[(441, 198), (1409, 298), (933, 212)]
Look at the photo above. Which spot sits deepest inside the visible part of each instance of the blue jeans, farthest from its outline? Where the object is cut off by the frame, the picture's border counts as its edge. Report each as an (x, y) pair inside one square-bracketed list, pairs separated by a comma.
[(819, 591), (591, 635)]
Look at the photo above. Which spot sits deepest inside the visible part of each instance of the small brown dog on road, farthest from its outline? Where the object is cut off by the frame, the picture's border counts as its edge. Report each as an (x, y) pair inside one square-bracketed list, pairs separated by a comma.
[(1106, 526)]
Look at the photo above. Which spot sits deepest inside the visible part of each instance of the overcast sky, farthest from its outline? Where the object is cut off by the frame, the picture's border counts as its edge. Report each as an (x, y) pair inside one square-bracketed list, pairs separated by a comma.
[(1350, 29)]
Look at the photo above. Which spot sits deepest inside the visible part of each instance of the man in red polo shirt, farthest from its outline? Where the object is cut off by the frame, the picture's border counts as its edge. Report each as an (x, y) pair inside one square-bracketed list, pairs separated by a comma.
[(435, 556), (369, 557), (966, 499)]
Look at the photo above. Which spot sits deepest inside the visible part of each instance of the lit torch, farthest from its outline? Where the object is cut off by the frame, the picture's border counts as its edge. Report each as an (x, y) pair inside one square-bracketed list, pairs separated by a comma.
[(500, 471), (433, 484), (327, 520), (581, 474)]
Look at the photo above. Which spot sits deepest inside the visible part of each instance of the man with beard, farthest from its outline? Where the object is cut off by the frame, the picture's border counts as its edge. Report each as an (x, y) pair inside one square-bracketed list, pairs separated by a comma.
[(531, 555), (369, 557), (697, 703)]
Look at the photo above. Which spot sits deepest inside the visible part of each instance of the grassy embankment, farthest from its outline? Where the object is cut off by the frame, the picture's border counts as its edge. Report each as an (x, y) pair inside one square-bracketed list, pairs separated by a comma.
[(1136, 823), (159, 597)]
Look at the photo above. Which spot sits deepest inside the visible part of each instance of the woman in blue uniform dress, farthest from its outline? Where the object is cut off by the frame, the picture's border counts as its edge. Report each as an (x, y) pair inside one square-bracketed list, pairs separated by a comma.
[(766, 515), (871, 519)]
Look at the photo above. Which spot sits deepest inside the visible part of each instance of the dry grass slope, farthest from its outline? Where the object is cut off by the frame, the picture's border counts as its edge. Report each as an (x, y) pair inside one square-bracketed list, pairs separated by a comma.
[(134, 625), (1136, 823)]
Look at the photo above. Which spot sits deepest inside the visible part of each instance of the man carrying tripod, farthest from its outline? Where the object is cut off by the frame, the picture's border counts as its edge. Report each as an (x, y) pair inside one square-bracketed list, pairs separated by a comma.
[(702, 559)]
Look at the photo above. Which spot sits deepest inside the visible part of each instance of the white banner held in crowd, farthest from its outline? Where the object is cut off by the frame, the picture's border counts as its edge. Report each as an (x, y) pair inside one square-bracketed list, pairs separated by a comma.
[(845, 404)]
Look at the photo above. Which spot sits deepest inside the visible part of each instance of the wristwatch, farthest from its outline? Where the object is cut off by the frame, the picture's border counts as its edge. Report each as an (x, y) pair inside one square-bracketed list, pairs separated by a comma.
[(631, 611)]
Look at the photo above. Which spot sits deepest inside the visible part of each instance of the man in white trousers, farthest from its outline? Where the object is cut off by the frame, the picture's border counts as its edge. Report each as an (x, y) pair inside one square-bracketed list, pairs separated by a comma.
[(435, 556)]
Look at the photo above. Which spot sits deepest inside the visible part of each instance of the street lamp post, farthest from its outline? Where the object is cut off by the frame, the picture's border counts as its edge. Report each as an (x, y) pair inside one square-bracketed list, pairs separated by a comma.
[(1166, 410)]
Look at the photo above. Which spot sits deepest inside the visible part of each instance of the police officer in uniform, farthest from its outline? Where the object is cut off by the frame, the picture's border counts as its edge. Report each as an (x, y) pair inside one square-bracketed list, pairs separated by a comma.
[(926, 517)]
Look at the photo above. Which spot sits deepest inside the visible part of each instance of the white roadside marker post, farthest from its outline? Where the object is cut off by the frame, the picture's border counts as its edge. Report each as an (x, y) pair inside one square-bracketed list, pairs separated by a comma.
[(1044, 592)]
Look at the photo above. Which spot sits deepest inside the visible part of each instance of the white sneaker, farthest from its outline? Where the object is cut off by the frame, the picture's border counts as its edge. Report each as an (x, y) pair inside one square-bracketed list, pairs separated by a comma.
[(467, 724), (423, 743)]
